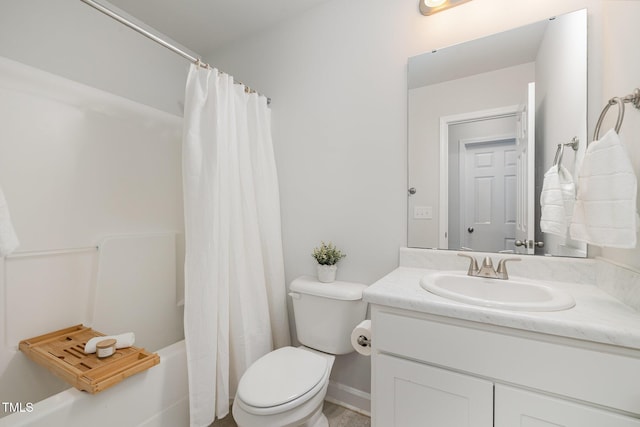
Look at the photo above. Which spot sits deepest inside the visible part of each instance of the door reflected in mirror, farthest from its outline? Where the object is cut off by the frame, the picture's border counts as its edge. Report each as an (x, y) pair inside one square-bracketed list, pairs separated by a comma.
[(482, 179), (492, 111)]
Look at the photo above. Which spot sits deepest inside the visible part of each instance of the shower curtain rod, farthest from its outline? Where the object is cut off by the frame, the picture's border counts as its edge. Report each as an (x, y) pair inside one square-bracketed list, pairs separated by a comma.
[(160, 41)]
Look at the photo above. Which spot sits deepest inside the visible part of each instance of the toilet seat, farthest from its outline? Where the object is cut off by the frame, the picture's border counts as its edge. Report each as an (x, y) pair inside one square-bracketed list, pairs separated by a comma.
[(281, 380)]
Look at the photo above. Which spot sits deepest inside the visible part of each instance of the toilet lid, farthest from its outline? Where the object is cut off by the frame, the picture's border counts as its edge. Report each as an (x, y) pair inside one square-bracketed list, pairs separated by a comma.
[(280, 377)]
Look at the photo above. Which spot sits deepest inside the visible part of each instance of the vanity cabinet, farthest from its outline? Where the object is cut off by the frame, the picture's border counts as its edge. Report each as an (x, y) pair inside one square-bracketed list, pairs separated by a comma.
[(437, 371)]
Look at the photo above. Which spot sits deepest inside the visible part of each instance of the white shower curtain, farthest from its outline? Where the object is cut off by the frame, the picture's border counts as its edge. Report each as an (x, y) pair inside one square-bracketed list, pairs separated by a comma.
[(235, 301)]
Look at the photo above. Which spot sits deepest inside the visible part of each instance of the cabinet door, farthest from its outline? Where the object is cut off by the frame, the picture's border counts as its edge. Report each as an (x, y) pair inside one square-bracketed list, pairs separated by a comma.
[(411, 394), (520, 408)]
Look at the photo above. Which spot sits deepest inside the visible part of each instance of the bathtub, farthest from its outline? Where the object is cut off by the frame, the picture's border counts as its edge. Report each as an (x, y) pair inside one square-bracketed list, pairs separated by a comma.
[(157, 397)]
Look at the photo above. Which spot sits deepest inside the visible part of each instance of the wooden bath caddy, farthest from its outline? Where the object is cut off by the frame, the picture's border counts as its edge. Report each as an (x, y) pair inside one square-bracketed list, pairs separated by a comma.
[(62, 352)]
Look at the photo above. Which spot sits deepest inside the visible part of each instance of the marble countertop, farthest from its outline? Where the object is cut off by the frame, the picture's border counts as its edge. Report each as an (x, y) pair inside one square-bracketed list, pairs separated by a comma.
[(597, 316)]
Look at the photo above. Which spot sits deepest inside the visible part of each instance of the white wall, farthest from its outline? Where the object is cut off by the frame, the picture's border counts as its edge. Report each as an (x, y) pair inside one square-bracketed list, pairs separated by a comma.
[(337, 77)]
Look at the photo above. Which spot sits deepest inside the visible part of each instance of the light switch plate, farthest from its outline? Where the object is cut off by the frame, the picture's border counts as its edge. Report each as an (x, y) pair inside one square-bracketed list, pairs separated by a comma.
[(423, 212)]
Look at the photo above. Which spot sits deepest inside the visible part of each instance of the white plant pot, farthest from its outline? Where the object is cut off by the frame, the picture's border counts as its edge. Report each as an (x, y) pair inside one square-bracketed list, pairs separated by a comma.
[(327, 273)]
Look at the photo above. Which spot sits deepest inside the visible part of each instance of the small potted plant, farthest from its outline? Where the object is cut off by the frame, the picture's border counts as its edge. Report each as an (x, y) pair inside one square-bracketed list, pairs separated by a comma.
[(327, 256)]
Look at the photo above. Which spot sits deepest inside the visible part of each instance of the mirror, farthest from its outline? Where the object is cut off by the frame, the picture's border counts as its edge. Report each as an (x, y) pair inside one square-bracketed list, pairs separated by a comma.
[(485, 119)]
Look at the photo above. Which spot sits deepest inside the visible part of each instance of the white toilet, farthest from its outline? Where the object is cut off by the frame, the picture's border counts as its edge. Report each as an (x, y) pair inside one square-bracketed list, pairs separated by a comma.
[(287, 386)]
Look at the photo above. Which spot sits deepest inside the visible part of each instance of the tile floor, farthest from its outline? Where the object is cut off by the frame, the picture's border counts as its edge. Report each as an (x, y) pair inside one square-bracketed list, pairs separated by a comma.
[(337, 415)]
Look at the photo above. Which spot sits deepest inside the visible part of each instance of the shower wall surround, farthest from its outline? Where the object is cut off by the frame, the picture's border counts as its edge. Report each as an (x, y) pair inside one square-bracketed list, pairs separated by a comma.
[(80, 165), (82, 168)]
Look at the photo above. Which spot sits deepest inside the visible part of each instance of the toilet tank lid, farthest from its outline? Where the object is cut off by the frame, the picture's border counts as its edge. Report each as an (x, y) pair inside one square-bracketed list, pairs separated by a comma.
[(308, 285)]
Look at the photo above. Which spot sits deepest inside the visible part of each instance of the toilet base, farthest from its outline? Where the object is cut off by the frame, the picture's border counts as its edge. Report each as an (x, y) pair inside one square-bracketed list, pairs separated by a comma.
[(318, 419)]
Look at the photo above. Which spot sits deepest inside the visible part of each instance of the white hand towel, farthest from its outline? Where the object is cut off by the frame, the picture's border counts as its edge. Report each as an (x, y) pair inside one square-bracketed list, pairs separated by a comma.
[(605, 210), (8, 239), (557, 200), (122, 341)]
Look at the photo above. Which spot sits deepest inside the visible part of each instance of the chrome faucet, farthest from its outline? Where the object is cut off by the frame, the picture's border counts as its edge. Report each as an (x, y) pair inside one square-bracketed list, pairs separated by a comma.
[(487, 269)]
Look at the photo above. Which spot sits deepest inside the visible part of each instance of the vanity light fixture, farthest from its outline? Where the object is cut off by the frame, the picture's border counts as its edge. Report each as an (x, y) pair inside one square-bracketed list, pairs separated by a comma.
[(429, 7)]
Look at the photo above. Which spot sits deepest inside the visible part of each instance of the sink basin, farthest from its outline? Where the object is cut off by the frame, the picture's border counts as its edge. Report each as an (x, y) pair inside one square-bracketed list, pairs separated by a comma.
[(512, 294)]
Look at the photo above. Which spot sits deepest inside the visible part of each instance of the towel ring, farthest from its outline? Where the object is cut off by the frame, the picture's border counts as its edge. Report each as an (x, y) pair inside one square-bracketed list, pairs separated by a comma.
[(612, 101), (633, 98), (557, 160)]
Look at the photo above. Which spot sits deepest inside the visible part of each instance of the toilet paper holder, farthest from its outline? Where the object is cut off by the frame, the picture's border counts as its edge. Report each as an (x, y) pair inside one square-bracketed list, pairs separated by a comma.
[(364, 341)]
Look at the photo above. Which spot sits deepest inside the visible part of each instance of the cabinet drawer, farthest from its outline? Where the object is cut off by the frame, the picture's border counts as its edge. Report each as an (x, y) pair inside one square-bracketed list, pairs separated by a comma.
[(583, 371)]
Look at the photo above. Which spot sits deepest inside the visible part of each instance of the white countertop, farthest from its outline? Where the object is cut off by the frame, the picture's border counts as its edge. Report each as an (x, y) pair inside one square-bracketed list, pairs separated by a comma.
[(596, 317)]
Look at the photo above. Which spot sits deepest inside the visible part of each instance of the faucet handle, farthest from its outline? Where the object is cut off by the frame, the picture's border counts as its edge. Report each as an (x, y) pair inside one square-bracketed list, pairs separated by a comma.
[(502, 267), (473, 265), (487, 269), (487, 262)]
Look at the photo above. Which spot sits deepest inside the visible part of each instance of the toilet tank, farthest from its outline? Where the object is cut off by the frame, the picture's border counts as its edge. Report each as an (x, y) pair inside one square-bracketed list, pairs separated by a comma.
[(326, 313)]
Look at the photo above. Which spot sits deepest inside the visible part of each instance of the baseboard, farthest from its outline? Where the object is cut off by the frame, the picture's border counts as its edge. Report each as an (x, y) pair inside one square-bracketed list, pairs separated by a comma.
[(349, 397)]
